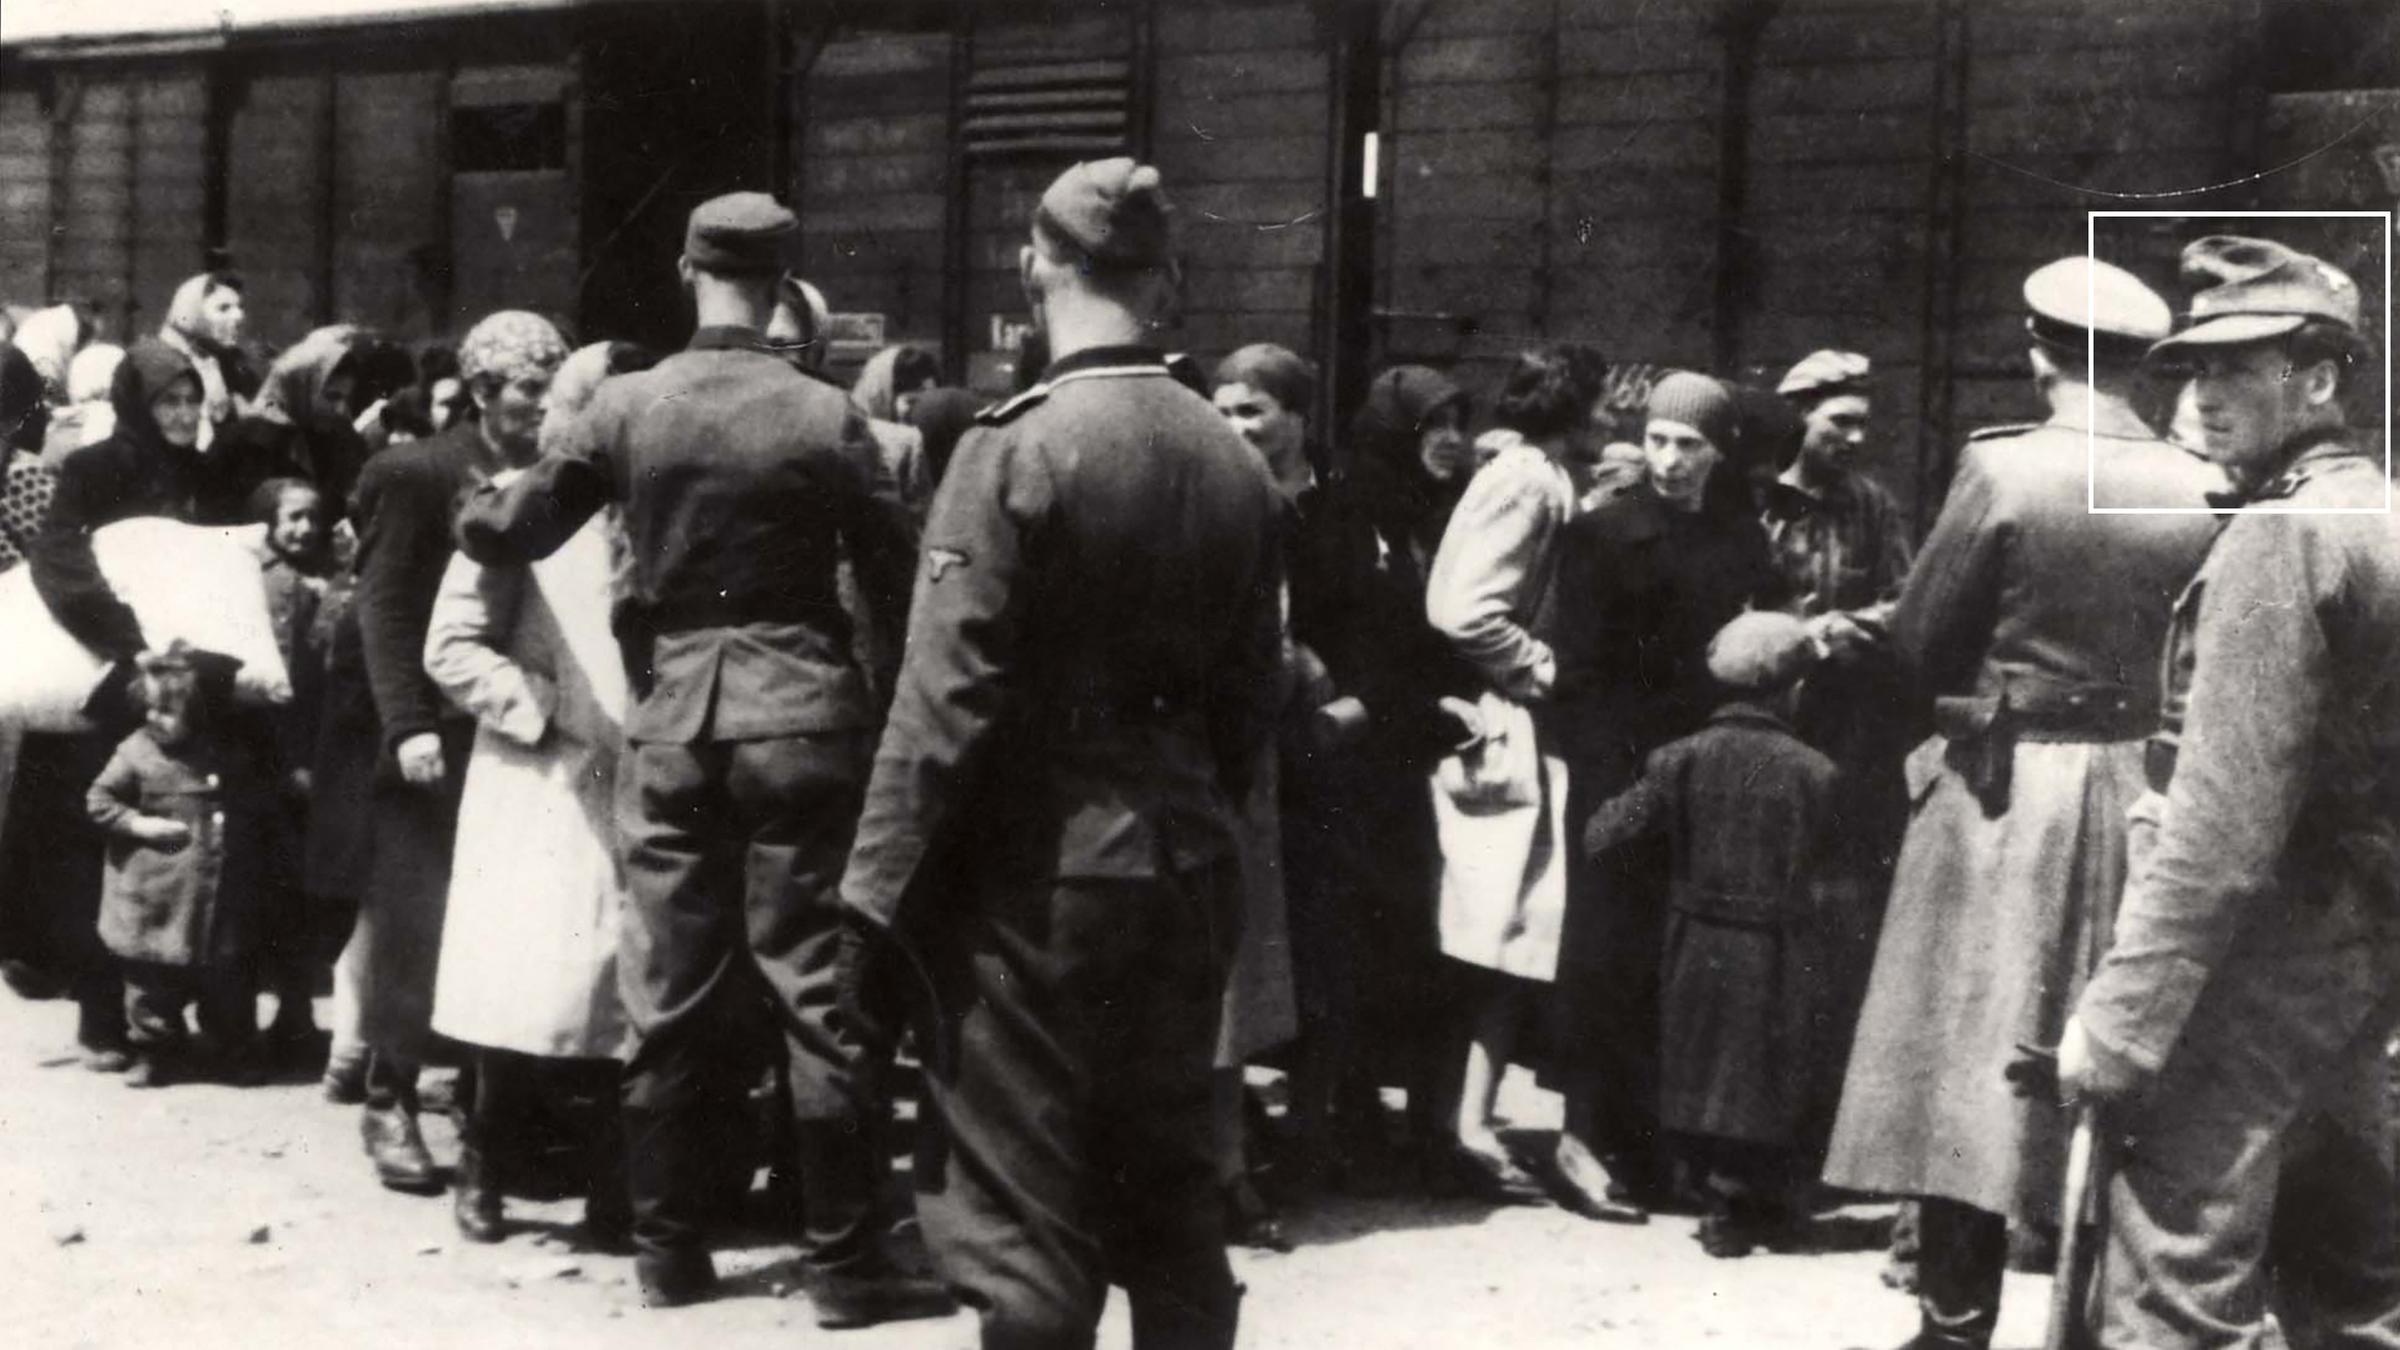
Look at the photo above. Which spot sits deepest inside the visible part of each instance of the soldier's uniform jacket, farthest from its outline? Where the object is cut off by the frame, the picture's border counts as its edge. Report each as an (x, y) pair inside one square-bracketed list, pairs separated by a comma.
[(2020, 587), (740, 477), (1093, 642), (2281, 831)]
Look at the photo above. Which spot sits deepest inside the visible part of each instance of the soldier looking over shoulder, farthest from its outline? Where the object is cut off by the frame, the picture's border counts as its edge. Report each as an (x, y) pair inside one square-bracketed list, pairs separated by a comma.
[(2235, 1031)]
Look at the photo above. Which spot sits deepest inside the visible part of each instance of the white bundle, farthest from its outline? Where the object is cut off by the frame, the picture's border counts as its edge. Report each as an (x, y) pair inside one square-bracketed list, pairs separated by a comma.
[(197, 583)]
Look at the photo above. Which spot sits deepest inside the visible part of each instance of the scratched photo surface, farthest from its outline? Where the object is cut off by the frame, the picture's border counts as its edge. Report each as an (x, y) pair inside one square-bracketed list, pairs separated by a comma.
[(1674, 1082)]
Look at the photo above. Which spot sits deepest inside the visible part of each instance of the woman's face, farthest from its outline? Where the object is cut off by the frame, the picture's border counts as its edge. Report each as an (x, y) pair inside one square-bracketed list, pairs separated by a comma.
[(176, 409), (333, 396), (1275, 431), (1680, 460), (1442, 446), (221, 316), (512, 413)]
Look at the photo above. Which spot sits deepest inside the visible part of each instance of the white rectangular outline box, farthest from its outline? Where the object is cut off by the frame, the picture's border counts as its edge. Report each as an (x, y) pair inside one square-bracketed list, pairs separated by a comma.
[(2091, 438)]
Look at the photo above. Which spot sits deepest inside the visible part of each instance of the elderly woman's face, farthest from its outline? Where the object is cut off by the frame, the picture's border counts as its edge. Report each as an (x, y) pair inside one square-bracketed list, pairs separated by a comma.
[(176, 409), (1680, 460), (221, 316), (1275, 431), (333, 396), (512, 411)]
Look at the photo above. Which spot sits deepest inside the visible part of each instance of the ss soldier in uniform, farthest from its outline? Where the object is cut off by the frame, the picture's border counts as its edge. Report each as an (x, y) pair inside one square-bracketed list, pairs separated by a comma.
[(2235, 1030), (1088, 679), (740, 479), (2029, 621)]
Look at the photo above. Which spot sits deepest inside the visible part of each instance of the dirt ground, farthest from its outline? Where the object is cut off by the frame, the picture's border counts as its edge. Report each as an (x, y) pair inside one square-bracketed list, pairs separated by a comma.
[(206, 1216)]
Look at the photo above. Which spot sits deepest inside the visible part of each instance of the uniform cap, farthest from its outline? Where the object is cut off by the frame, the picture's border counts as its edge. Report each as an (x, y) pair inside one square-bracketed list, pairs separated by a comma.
[(1698, 402), (739, 234), (1760, 652), (1113, 211), (2076, 298), (1826, 372), (2246, 290)]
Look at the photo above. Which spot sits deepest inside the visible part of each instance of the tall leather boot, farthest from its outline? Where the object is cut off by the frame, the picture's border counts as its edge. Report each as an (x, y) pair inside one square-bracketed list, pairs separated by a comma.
[(851, 1277), (476, 1198), (1962, 1253)]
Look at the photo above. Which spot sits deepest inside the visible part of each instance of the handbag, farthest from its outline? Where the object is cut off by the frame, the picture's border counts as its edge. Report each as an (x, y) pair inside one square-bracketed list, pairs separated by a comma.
[(1502, 771)]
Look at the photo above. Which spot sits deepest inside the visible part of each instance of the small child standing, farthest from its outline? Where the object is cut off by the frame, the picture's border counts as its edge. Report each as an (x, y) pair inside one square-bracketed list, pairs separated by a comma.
[(1743, 804), (293, 946), (184, 805)]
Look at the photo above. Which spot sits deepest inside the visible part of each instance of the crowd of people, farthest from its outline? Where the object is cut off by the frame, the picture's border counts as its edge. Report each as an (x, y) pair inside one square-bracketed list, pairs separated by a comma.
[(666, 724)]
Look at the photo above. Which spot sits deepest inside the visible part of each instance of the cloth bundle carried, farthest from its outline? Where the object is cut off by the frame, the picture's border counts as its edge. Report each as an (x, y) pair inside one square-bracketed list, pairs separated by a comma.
[(196, 583)]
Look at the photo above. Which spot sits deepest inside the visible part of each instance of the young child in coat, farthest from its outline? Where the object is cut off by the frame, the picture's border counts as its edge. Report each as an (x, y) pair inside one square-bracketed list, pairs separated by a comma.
[(1743, 804), (185, 805), (293, 951)]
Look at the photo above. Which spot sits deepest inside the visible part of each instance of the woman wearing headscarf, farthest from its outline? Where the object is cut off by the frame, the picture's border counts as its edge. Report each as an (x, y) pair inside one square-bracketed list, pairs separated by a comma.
[(1359, 831), (403, 506), (1646, 578), (50, 858), (50, 338), (528, 966), (87, 417), (1500, 804), (301, 425), (891, 380), (204, 322)]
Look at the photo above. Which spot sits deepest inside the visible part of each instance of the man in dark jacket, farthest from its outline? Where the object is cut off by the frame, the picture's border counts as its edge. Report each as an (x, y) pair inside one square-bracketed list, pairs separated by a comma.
[(741, 479), (1089, 677), (403, 505), (2235, 1031)]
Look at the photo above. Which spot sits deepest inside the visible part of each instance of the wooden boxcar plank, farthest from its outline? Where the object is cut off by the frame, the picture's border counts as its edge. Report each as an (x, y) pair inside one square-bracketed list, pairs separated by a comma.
[(917, 133), (1423, 154), (1583, 100), (2097, 182), (1689, 147), (1225, 244), (2099, 119), (1996, 29), (895, 211), (1473, 60), (1241, 74), (1469, 196), (1251, 290), (831, 179), (1466, 290), (2180, 69), (1602, 201), (1862, 86), (883, 54), (1206, 115), (1660, 46), (1188, 160), (1219, 26), (1841, 138), (1799, 35), (1899, 185), (1466, 107), (1277, 205), (1452, 18)]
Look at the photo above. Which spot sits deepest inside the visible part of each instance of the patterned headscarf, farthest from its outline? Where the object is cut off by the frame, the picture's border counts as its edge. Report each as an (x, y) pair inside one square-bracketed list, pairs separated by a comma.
[(508, 344)]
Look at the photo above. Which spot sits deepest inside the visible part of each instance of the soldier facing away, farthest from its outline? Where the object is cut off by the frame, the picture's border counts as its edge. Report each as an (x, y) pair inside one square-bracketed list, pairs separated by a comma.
[(1088, 681)]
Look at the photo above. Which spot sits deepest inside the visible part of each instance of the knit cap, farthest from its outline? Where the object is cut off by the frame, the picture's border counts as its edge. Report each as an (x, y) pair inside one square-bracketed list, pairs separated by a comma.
[(1699, 403)]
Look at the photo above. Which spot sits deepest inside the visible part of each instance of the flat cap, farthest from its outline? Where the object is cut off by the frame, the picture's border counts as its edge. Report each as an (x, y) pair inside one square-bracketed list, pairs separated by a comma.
[(1760, 652), (2245, 290), (2074, 299), (1113, 211), (739, 233), (1826, 372)]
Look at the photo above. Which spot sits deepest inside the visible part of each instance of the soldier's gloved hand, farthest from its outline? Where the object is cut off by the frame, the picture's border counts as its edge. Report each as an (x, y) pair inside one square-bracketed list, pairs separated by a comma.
[(862, 988), (420, 759), (2090, 1071)]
